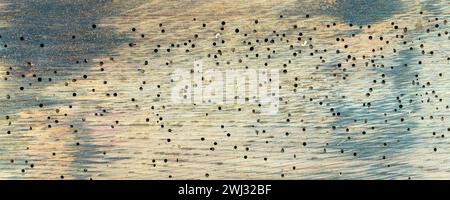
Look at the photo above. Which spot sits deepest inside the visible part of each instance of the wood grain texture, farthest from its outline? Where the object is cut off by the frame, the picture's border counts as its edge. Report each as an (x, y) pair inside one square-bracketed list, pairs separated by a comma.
[(86, 89)]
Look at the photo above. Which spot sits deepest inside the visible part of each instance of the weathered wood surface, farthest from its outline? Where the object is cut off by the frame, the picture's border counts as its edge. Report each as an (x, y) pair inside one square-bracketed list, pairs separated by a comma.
[(85, 105)]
